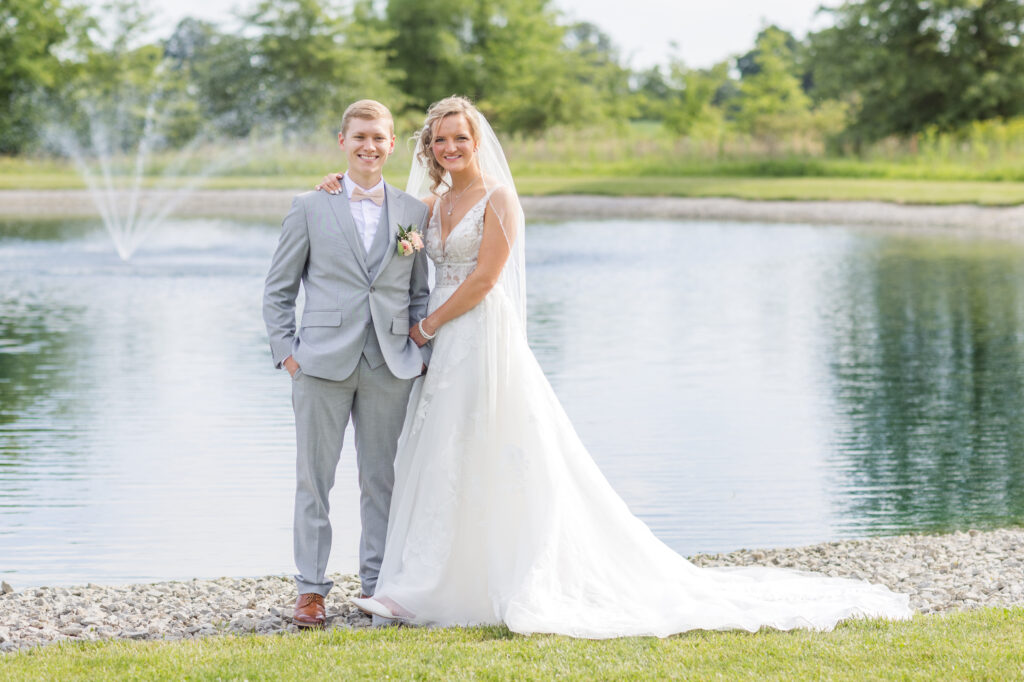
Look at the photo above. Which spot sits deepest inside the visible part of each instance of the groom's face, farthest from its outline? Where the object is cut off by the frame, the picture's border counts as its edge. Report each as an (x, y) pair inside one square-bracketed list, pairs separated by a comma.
[(367, 143)]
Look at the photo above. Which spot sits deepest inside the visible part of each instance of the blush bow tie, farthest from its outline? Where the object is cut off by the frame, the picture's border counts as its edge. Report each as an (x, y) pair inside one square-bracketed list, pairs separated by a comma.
[(376, 195)]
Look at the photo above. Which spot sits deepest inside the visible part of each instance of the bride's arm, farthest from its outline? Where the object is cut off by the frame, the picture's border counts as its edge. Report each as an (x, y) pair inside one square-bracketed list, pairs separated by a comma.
[(494, 250), (331, 183)]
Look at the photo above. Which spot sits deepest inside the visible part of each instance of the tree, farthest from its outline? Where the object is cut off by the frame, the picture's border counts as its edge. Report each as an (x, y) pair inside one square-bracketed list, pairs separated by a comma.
[(435, 47), (117, 89), (30, 32), (531, 85), (987, 46), (310, 60), (602, 82), (691, 108), (791, 51), (771, 101), (905, 65), (217, 67), (650, 93), (525, 69)]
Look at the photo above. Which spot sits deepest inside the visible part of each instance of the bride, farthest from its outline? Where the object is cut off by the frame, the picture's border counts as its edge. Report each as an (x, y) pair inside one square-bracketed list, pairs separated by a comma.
[(499, 514)]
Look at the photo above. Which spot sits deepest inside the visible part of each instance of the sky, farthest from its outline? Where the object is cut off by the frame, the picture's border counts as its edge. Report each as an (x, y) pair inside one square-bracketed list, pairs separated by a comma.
[(704, 31)]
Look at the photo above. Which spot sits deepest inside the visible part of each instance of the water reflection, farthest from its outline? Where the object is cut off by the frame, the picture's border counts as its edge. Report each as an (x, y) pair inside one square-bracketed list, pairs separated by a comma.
[(927, 358), (37, 339), (142, 423)]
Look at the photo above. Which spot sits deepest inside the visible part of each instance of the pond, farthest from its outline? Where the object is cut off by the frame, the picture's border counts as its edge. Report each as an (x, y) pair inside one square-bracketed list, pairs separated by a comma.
[(740, 385)]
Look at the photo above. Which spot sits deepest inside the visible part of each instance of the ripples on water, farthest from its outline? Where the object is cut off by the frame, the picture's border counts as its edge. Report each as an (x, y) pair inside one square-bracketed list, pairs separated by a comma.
[(740, 385), (928, 369)]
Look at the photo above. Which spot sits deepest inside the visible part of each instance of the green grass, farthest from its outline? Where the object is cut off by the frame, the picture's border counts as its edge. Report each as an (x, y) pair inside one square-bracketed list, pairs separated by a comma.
[(804, 189), (758, 188), (983, 164), (983, 644)]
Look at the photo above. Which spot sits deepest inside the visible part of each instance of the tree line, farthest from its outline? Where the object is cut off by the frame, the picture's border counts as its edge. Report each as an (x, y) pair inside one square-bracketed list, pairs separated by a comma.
[(881, 68)]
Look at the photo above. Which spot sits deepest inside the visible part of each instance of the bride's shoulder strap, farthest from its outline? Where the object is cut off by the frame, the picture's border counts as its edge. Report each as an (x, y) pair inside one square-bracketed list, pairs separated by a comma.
[(502, 199), (503, 203), (501, 195)]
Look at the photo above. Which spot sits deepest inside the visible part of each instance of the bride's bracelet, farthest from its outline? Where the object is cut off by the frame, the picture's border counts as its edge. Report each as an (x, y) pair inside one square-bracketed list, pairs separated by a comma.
[(423, 332)]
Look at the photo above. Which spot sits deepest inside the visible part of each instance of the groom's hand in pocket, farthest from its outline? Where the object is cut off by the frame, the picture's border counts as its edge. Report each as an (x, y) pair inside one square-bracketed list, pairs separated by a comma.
[(290, 365)]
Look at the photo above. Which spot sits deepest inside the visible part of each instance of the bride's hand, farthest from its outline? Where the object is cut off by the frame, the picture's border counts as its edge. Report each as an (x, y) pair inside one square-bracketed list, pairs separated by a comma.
[(417, 337), (330, 184)]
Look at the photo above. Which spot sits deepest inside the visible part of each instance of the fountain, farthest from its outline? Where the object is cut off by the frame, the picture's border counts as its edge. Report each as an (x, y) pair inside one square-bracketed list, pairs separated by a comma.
[(130, 211)]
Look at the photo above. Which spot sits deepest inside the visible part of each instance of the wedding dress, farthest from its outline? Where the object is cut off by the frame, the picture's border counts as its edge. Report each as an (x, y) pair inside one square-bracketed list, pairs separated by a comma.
[(500, 515)]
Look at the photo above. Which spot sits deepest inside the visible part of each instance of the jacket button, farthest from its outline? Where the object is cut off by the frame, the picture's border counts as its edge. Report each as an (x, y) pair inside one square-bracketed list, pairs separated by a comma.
[(372, 290)]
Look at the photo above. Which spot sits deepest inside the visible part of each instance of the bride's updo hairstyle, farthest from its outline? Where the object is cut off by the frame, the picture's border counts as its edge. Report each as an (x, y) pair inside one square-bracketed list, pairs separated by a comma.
[(449, 106)]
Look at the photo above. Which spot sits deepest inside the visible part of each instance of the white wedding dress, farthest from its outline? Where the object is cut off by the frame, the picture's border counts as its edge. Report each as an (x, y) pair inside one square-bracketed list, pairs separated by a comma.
[(500, 515)]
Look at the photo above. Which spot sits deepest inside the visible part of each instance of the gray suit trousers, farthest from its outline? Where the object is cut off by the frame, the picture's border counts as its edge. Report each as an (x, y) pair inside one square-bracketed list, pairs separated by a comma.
[(376, 401)]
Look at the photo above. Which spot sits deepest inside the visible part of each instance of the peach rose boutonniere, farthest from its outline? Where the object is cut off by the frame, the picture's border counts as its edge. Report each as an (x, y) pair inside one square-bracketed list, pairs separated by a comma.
[(409, 240)]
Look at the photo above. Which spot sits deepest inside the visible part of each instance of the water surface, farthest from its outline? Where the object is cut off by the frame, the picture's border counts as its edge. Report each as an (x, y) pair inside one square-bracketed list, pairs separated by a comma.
[(739, 384)]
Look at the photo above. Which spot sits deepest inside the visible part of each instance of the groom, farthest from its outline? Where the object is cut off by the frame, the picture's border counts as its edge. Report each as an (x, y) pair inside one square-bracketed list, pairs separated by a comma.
[(352, 354)]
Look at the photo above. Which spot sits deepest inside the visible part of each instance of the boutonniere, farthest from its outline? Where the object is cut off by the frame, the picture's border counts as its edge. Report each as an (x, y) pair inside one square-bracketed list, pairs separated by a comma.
[(409, 240)]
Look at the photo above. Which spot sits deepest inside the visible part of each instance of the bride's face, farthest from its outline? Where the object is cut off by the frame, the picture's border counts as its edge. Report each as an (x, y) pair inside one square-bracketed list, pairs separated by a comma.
[(453, 145)]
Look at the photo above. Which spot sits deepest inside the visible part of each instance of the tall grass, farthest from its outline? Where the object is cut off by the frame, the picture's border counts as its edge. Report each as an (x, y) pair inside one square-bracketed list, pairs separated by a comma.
[(983, 151)]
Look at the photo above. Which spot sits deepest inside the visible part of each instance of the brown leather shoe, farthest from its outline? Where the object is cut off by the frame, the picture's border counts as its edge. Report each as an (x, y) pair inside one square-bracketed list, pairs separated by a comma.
[(310, 611)]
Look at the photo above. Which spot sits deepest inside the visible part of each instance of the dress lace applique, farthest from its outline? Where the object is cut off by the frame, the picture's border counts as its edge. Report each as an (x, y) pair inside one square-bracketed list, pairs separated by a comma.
[(456, 257)]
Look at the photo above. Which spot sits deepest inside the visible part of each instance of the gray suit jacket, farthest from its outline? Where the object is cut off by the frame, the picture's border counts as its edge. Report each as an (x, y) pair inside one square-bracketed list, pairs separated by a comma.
[(320, 248)]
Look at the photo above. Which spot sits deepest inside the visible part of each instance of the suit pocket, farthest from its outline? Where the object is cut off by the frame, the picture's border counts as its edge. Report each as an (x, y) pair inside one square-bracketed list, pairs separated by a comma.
[(400, 325), (321, 318)]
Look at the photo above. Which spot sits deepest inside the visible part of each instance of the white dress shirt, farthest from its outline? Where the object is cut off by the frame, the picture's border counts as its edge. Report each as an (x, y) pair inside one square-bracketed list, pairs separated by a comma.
[(365, 213)]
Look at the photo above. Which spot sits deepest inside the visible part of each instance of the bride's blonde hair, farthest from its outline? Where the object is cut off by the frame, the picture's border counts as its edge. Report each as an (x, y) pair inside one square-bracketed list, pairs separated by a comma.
[(449, 106)]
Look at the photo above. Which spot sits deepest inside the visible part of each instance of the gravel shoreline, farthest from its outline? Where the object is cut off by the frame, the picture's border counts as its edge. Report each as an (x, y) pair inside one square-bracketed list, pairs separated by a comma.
[(272, 205), (941, 573)]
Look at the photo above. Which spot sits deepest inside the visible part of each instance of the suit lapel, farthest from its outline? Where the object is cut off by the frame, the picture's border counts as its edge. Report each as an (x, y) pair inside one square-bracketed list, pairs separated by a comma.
[(343, 214), (395, 215)]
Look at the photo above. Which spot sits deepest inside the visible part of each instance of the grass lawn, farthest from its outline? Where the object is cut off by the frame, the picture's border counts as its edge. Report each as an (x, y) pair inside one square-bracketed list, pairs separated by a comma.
[(983, 164), (982, 644), (846, 189), (760, 188)]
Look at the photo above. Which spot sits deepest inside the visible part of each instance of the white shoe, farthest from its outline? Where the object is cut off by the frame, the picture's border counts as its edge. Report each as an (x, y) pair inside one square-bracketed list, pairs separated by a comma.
[(373, 607)]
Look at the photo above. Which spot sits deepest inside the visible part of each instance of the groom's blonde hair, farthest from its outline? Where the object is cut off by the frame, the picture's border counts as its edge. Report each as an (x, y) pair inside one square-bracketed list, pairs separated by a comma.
[(368, 110)]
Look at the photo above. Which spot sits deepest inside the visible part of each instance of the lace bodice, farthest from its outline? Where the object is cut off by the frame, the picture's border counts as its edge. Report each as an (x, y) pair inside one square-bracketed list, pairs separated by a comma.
[(456, 257)]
